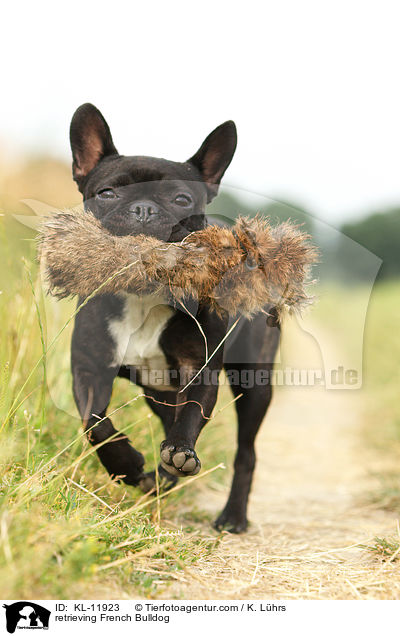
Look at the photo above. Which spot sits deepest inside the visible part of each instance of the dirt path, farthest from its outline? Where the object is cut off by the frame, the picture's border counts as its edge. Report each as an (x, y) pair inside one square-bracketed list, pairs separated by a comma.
[(308, 511)]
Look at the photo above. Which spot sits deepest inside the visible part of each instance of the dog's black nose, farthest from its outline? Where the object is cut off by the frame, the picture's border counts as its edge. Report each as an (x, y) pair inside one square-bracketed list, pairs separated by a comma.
[(143, 210)]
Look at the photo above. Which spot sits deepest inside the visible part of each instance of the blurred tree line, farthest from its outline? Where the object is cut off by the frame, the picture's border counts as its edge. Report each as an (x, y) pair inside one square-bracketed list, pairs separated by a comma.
[(380, 234), (227, 205)]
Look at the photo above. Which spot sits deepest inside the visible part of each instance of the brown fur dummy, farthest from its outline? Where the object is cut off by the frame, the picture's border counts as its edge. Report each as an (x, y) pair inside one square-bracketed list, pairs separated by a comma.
[(238, 269)]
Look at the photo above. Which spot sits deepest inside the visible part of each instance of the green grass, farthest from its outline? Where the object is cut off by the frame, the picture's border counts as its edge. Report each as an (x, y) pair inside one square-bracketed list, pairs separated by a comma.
[(66, 529), (384, 549), (381, 372)]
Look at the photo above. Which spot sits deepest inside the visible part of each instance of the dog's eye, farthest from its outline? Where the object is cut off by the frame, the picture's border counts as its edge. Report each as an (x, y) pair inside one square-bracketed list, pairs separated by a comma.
[(183, 200), (107, 193)]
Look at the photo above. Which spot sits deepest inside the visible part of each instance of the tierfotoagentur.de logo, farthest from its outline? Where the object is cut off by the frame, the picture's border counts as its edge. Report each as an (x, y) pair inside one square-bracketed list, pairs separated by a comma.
[(26, 615)]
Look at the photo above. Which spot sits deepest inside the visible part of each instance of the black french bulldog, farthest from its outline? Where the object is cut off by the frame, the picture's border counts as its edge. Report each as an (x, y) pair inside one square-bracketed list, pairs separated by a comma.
[(133, 337)]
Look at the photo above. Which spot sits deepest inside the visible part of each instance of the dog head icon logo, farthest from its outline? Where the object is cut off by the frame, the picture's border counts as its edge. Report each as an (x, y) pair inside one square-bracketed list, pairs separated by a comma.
[(26, 615)]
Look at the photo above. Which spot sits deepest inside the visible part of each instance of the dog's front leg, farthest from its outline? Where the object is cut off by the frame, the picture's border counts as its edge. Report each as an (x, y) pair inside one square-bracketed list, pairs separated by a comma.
[(195, 404), (178, 455), (92, 391)]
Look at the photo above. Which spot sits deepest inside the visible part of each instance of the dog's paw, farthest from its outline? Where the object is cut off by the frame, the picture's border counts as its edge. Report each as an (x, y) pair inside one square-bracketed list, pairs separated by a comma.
[(166, 481), (231, 522), (122, 461), (180, 461)]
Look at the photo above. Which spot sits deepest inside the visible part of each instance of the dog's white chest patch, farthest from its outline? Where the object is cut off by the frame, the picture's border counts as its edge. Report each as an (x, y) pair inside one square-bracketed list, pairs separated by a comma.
[(136, 335)]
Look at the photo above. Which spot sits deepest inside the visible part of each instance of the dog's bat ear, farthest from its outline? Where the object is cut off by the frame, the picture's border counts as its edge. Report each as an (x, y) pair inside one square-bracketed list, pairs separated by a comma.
[(214, 156), (90, 139)]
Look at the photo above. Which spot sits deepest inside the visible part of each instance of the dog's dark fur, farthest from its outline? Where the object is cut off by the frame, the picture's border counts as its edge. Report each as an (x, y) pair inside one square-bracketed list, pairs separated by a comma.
[(166, 200)]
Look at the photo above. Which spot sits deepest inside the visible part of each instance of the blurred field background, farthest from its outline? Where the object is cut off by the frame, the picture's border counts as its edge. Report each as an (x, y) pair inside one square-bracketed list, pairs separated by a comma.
[(66, 530)]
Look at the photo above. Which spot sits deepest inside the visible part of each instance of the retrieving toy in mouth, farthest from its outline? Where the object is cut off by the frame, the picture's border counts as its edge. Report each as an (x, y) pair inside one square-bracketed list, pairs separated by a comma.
[(237, 269)]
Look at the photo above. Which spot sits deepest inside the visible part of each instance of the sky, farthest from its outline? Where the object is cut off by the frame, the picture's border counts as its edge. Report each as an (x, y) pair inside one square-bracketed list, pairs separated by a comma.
[(312, 86)]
